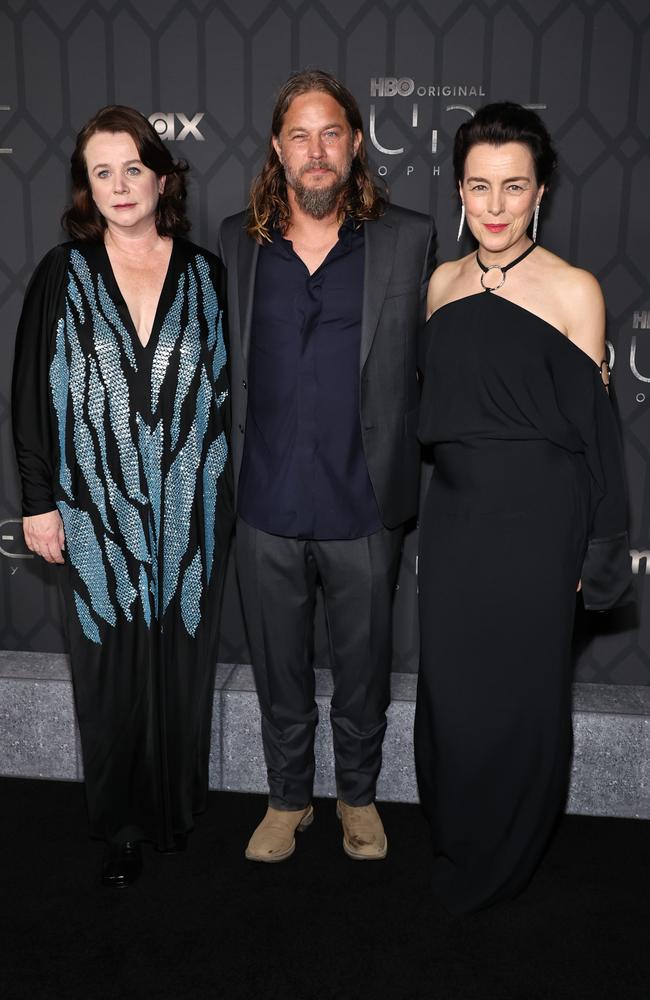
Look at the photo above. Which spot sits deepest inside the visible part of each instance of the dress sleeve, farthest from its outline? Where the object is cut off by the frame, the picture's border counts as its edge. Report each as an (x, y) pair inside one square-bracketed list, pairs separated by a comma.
[(607, 570), (34, 434)]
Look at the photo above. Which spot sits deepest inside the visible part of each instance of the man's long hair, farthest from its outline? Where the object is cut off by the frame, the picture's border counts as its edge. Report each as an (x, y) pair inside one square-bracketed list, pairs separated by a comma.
[(362, 198)]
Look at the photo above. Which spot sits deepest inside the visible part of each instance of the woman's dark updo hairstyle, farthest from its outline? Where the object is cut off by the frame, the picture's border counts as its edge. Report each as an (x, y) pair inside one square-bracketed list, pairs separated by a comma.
[(82, 219), (503, 122)]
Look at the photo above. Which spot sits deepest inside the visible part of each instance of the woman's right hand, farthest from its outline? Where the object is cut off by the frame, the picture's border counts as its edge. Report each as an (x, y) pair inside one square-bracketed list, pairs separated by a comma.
[(44, 535)]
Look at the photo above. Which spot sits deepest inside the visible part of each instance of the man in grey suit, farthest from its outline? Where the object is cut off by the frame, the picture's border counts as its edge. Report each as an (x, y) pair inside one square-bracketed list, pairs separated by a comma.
[(326, 294)]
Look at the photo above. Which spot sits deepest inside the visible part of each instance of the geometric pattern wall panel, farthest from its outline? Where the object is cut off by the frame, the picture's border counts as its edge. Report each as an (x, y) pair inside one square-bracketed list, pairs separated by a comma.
[(207, 73)]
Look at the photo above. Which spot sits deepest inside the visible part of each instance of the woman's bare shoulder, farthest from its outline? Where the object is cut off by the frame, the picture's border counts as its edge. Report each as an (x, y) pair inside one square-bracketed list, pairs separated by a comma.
[(579, 298), (443, 281), (568, 275)]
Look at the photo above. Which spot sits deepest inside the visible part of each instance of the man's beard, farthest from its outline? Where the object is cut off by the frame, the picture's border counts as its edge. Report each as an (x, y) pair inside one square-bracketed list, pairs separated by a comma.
[(319, 202)]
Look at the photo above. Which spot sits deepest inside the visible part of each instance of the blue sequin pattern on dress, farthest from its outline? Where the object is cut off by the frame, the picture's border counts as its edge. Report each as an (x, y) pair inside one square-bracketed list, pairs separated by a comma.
[(60, 387), (139, 462)]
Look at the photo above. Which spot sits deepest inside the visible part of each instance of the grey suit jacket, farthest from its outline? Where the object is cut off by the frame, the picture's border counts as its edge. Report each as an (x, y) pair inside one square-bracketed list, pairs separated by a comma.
[(399, 259)]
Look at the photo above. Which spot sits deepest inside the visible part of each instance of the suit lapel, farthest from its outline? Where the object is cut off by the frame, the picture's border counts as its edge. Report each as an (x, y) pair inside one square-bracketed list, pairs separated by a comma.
[(247, 254), (379, 253)]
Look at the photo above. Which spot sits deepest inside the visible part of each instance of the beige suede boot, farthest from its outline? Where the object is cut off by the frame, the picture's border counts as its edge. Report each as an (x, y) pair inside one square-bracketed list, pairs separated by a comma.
[(274, 839), (364, 838)]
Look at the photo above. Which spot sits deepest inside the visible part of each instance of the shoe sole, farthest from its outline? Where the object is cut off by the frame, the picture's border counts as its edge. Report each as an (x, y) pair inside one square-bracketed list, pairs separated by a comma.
[(365, 857), (356, 855), (273, 859), (117, 885)]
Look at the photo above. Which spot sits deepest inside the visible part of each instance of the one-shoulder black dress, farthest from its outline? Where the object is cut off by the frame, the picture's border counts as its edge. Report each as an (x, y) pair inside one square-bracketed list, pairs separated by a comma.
[(527, 497)]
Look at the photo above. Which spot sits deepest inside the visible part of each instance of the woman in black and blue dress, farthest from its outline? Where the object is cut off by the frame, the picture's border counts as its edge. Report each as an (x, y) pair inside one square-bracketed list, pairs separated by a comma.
[(526, 505), (120, 418)]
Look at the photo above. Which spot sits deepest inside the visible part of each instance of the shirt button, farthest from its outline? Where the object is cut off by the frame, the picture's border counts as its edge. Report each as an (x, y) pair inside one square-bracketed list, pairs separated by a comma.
[(244, 383), (241, 428)]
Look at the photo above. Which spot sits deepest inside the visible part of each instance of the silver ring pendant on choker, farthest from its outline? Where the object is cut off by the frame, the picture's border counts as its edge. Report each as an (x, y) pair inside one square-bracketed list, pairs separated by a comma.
[(497, 267)]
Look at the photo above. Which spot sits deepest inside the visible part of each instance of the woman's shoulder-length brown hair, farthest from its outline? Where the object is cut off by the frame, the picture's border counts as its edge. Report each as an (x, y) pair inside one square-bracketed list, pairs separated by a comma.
[(268, 207), (82, 219)]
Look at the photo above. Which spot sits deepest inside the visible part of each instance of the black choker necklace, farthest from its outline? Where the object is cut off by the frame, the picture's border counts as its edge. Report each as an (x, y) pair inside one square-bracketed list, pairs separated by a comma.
[(498, 267)]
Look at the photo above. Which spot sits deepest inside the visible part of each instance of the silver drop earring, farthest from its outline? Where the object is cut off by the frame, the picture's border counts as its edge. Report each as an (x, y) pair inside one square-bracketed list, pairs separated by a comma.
[(535, 222), (462, 221)]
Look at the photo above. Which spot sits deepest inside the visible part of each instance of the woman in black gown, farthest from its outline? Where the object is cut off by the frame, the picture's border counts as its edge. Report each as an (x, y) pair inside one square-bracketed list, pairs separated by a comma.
[(119, 418), (526, 500)]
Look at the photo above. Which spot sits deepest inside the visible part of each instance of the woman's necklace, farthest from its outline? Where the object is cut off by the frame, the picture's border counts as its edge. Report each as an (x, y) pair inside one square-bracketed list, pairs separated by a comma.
[(498, 267)]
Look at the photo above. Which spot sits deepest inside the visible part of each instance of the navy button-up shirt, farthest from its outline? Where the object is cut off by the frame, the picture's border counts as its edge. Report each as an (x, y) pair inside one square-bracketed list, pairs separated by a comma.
[(304, 472)]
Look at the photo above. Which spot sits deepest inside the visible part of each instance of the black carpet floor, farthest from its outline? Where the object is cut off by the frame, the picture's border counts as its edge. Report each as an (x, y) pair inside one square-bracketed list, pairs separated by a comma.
[(208, 925)]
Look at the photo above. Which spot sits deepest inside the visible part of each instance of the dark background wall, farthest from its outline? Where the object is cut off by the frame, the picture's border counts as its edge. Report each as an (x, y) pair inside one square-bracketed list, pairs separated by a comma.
[(209, 71)]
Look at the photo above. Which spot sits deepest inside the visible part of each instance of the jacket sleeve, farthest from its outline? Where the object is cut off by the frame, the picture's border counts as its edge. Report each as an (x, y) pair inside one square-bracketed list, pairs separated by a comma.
[(427, 270), (35, 438), (428, 267)]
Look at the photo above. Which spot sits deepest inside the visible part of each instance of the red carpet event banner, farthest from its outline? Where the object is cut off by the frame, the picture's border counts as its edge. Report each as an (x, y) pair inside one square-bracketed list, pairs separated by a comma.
[(206, 74)]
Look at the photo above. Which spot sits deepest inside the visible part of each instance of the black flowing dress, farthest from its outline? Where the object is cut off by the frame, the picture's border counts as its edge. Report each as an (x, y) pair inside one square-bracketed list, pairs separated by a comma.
[(129, 442), (527, 497)]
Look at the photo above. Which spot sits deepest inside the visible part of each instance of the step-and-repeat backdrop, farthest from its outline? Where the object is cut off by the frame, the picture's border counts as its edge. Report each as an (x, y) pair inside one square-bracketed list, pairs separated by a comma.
[(207, 72)]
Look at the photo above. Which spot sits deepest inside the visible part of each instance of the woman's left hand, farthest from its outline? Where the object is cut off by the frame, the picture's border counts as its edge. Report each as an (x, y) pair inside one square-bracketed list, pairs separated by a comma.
[(44, 536)]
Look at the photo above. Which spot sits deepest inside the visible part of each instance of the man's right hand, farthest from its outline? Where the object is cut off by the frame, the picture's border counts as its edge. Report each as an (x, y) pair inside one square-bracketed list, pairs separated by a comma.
[(44, 535)]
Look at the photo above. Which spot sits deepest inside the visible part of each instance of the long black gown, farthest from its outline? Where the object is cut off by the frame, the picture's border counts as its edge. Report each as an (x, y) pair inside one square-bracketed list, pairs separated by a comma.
[(130, 444), (527, 497)]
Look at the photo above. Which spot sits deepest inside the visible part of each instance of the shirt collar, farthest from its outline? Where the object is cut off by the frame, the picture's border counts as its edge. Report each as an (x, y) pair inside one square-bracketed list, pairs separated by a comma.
[(349, 232)]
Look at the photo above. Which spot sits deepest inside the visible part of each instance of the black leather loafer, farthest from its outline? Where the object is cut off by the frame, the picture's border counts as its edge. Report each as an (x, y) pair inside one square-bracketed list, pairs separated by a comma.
[(122, 865)]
